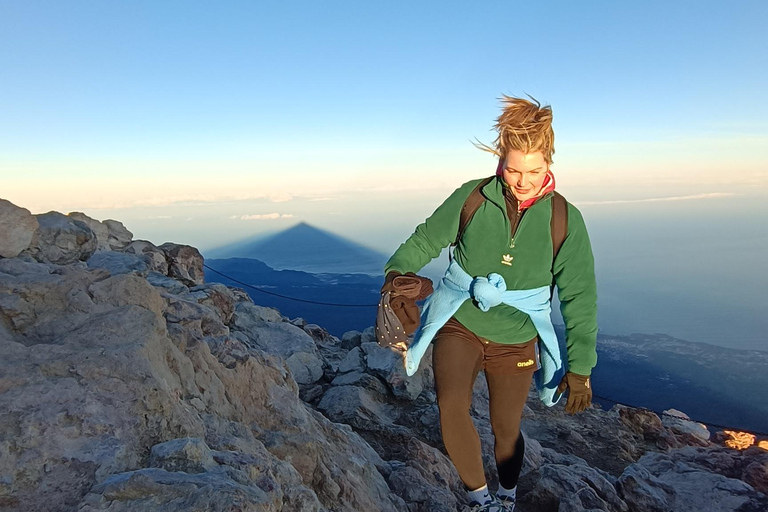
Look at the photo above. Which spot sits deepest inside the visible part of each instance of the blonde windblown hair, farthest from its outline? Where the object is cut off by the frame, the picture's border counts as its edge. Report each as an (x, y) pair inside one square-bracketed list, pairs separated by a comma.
[(525, 126)]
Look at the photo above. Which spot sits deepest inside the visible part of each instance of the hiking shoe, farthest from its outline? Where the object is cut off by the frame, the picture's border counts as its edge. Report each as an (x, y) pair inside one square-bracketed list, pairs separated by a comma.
[(506, 504), (489, 506)]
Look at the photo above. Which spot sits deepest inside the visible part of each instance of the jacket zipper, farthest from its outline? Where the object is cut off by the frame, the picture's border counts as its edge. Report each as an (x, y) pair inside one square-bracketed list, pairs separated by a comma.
[(518, 219), (513, 229)]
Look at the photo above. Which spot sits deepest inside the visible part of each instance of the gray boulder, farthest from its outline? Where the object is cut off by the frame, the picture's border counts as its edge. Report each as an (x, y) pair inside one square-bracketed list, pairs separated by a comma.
[(119, 263), (357, 407), (362, 380), (185, 263), (119, 237), (388, 364), (692, 479), (353, 361), (680, 423), (152, 489), (152, 254), (170, 285), (17, 227), (306, 368), (576, 487), (427, 479), (188, 454), (99, 229), (218, 297), (61, 240), (351, 339)]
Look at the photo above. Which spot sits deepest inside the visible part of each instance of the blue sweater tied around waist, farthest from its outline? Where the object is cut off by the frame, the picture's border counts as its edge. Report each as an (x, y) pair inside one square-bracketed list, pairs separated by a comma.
[(457, 286)]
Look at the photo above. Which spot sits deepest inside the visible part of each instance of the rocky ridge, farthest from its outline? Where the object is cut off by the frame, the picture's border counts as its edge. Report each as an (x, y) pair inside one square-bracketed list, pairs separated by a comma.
[(127, 383)]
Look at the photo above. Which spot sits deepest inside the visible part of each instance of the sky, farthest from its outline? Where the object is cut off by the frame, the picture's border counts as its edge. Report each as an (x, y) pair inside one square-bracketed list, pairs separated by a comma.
[(205, 123)]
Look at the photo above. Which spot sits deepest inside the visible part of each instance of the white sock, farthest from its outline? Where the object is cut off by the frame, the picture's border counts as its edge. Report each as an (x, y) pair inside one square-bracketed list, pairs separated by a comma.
[(481, 495), (507, 493)]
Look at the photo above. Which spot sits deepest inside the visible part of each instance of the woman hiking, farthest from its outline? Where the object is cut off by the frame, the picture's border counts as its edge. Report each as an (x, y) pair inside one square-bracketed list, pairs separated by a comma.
[(491, 310)]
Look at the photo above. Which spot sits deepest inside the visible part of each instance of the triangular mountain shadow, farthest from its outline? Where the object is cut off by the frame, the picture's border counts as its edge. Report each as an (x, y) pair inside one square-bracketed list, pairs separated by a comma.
[(307, 248)]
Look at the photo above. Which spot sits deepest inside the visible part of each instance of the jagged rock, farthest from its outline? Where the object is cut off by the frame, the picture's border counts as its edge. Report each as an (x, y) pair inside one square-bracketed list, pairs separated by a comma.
[(319, 334), (644, 492), (351, 339), (227, 349), (642, 421), (119, 237), (275, 337), (330, 349), (534, 457), (388, 364), (755, 469), (61, 240), (127, 290), (194, 316), (310, 393), (572, 488), (168, 284), (305, 367), (124, 368), (682, 482), (119, 263), (152, 254), (185, 263), (362, 380), (99, 229), (681, 423), (353, 361), (368, 335), (272, 475), (156, 489), (188, 454), (357, 407), (240, 295), (249, 317), (282, 338), (299, 322), (427, 479), (218, 297), (17, 227)]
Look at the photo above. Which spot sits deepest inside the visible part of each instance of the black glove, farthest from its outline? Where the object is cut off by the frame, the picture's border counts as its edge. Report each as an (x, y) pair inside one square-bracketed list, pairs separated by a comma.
[(579, 392)]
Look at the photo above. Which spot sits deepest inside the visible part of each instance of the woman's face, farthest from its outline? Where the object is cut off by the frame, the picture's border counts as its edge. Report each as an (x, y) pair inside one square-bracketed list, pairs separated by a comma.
[(525, 173)]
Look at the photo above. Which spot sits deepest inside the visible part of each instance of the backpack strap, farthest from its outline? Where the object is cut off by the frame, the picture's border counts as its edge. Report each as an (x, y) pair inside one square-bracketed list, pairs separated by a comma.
[(559, 229), (559, 223), (471, 205)]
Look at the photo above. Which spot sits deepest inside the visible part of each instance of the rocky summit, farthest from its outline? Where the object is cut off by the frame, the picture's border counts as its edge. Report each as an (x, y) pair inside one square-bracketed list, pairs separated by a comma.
[(129, 384)]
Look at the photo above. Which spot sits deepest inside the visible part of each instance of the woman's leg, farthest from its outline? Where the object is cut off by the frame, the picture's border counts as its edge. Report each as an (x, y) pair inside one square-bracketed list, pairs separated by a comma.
[(507, 395), (456, 363)]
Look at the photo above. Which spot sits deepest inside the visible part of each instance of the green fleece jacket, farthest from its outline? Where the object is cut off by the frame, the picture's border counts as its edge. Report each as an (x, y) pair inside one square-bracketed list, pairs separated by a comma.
[(522, 257)]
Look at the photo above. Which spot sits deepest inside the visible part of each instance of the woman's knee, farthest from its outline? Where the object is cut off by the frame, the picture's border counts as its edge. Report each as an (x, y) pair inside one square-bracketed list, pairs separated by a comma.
[(451, 406), (507, 428)]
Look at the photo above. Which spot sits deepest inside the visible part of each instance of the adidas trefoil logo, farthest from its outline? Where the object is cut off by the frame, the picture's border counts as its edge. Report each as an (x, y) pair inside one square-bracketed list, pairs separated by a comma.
[(506, 259)]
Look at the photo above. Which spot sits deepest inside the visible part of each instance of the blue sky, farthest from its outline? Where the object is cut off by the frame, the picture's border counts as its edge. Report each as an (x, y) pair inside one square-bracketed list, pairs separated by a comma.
[(211, 121)]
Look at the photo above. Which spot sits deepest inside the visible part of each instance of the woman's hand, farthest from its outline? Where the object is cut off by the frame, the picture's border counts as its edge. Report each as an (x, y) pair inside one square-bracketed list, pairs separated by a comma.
[(579, 392)]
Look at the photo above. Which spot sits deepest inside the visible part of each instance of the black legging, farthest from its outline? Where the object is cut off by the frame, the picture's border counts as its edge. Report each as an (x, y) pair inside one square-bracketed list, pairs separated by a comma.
[(456, 362)]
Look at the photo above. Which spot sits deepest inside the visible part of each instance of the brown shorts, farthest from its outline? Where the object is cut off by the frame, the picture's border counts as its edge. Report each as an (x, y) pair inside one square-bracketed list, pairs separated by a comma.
[(496, 357)]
